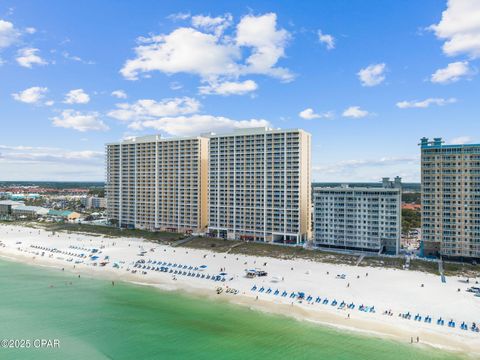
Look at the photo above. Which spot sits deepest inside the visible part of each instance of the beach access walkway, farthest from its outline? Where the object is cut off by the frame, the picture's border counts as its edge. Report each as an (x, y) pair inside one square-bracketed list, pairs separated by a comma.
[(183, 241)]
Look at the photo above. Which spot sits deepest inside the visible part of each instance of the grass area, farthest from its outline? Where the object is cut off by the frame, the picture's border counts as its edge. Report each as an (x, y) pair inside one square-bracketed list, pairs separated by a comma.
[(425, 266), (213, 244), (269, 250), (155, 236), (388, 262), (260, 249), (461, 269), (294, 252)]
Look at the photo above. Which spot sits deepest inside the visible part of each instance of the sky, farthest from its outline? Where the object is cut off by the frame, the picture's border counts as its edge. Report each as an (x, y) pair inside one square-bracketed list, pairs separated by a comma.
[(367, 79)]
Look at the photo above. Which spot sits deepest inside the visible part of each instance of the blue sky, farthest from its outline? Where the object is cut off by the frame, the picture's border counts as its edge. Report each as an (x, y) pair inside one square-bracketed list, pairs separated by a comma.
[(367, 79)]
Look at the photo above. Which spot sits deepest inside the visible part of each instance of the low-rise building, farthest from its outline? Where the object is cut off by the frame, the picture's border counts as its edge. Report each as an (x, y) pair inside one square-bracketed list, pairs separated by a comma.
[(358, 218), (6, 206), (64, 214), (29, 211)]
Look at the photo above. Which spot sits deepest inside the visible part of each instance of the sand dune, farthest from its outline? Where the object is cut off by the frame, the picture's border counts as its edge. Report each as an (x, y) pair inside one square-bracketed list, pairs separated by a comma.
[(400, 291)]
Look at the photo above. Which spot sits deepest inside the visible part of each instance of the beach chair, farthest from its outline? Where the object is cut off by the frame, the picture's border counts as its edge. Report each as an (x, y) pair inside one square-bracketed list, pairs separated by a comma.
[(334, 303), (254, 288), (262, 289), (317, 300), (284, 294), (325, 301), (276, 292), (268, 291), (309, 298)]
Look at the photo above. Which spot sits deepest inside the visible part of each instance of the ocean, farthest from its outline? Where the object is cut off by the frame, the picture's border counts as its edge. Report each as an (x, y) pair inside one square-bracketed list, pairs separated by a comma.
[(91, 319)]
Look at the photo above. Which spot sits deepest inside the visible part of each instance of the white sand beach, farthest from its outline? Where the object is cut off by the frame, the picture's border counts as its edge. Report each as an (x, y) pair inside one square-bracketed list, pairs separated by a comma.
[(395, 291)]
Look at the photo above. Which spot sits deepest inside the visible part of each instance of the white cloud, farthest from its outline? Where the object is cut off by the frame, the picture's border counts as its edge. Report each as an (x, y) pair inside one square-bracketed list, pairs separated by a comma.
[(76, 120), (183, 50), (229, 88), (461, 140), (178, 16), (119, 94), (214, 57), (147, 109), (372, 75), (175, 85), (30, 30), (8, 34), (453, 72), (267, 42), (460, 28), (197, 124), (425, 103), (69, 56), (217, 25), (355, 112), (48, 163), (31, 95), (371, 170), (326, 39), (309, 114), (27, 57), (77, 96)]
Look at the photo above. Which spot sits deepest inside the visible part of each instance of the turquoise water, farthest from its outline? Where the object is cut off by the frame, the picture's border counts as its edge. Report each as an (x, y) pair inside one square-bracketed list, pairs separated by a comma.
[(94, 320)]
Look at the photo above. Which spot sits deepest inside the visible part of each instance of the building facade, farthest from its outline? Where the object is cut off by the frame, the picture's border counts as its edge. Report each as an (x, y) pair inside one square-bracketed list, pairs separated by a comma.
[(6, 206), (259, 185), (158, 184), (94, 202), (450, 199), (358, 219), (29, 211)]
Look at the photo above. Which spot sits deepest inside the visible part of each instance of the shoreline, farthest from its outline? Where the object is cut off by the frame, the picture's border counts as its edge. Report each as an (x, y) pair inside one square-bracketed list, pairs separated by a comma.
[(364, 324)]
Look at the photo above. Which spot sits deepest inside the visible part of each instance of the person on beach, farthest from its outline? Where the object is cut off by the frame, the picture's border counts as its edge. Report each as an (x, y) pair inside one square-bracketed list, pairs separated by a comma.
[(113, 283)]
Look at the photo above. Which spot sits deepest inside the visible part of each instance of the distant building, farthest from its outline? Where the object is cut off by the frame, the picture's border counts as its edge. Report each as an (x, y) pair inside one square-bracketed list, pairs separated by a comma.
[(415, 207), (64, 214), (158, 184), (450, 199), (260, 185), (94, 202), (6, 206), (358, 218), (29, 211)]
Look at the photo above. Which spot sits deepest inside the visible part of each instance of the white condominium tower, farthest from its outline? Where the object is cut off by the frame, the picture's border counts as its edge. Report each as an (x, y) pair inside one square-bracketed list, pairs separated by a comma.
[(450, 199), (259, 185), (158, 184), (358, 218)]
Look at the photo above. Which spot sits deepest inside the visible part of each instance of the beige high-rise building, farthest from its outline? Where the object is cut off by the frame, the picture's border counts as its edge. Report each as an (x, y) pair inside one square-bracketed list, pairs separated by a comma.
[(158, 184), (450, 199), (260, 185)]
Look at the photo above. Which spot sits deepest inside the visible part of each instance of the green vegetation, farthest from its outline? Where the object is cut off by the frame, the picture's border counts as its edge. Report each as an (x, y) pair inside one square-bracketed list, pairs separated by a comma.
[(411, 198), (461, 269), (155, 236), (268, 250), (97, 191), (425, 266), (380, 261), (411, 219)]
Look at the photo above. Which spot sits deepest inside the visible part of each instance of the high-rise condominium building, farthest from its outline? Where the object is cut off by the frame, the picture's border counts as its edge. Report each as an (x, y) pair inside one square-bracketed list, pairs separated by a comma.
[(259, 185), (158, 184), (450, 199), (358, 218)]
